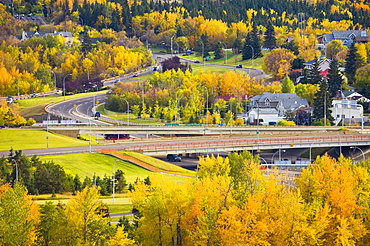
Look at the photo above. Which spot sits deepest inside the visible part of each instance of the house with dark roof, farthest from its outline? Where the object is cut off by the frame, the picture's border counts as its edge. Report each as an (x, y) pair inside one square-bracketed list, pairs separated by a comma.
[(347, 37), (271, 107)]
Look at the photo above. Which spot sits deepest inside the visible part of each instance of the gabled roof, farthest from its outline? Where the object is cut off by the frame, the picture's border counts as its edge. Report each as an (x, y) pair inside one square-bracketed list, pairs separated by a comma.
[(289, 101), (313, 61), (349, 34)]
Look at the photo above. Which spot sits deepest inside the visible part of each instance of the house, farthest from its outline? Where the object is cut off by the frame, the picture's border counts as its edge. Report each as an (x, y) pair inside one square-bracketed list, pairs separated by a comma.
[(271, 107), (30, 34), (324, 64), (347, 37), (347, 111)]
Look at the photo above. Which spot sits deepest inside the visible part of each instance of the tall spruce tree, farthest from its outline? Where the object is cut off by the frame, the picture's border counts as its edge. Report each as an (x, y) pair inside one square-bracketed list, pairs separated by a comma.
[(270, 40), (248, 50), (353, 62), (334, 78), (312, 76), (219, 51), (323, 103), (252, 40)]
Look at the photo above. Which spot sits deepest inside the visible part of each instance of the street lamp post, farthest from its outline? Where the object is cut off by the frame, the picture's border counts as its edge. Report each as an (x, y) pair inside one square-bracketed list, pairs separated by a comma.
[(202, 50), (64, 86), (225, 61), (47, 131), (172, 45), (272, 158), (311, 148), (231, 118), (178, 47), (207, 105), (252, 57), (128, 112), (363, 154), (55, 80), (114, 181)]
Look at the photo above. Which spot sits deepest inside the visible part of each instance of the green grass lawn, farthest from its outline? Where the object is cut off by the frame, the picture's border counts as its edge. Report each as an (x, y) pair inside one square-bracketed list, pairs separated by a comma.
[(86, 164), (21, 139)]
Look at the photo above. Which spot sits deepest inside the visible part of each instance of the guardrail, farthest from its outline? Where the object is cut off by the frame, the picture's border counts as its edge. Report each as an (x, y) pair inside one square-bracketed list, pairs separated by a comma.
[(248, 142)]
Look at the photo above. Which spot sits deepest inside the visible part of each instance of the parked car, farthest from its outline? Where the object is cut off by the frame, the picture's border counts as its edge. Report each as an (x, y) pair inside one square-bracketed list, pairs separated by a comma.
[(173, 157), (135, 75)]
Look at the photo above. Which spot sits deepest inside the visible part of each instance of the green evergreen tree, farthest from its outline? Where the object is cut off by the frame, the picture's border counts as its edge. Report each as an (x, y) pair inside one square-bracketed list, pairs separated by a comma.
[(334, 78), (248, 50), (353, 62), (252, 45), (87, 43), (219, 51), (237, 46), (323, 103), (270, 40), (312, 76)]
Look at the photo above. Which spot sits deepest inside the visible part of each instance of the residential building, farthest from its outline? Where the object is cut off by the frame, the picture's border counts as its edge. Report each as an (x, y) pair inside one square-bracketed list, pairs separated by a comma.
[(347, 110), (324, 64), (30, 34), (272, 107), (347, 37)]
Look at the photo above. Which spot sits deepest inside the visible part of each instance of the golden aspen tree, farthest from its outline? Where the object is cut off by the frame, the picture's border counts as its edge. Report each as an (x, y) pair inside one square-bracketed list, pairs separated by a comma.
[(333, 183), (18, 216), (86, 223), (162, 206)]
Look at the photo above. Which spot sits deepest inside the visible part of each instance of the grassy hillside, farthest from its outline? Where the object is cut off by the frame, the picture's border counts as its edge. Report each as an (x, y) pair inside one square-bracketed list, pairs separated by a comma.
[(86, 164), (21, 139)]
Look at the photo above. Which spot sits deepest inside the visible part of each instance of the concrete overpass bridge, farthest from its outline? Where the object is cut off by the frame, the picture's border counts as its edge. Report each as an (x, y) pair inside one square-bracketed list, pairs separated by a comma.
[(251, 144), (190, 129)]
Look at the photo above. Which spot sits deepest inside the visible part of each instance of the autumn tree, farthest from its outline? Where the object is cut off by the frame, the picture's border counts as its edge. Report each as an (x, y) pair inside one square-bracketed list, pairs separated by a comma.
[(86, 222), (19, 216), (362, 77), (287, 85), (332, 187), (278, 62), (333, 48), (162, 206)]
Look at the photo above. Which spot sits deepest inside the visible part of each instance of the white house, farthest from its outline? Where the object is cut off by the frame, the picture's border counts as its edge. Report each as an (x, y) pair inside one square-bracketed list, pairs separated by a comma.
[(348, 110)]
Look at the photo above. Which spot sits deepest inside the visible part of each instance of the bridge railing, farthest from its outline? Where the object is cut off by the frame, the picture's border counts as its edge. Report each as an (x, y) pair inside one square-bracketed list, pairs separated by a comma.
[(249, 142)]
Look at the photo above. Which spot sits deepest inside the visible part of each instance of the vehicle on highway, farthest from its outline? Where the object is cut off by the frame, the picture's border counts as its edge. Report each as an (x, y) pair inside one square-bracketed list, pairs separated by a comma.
[(173, 157), (196, 61), (239, 66), (97, 115), (135, 75), (9, 99)]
